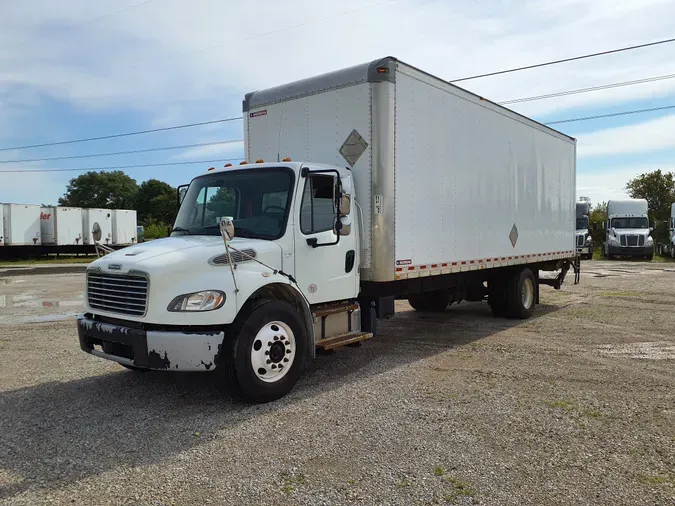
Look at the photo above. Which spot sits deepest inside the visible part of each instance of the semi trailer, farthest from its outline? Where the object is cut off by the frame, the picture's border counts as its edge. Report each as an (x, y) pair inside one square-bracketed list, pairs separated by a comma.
[(360, 187), (584, 241), (627, 229), (668, 249)]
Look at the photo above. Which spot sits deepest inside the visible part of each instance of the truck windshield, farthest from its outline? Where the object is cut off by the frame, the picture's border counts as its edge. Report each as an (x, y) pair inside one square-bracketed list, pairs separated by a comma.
[(630, 223), (257, 200), (582, 222)]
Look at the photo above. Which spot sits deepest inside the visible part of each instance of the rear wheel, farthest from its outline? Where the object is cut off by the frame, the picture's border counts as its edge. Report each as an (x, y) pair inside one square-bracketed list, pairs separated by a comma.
[(266, 355), (433, 302), (521, 294)]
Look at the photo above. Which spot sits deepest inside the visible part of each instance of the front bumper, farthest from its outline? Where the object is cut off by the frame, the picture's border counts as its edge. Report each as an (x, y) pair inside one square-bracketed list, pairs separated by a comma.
[(586, 250), (135, 346), (632, 251)]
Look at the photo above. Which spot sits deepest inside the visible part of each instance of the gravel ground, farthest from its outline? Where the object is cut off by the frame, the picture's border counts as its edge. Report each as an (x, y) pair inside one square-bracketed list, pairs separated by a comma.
[(574, 406)]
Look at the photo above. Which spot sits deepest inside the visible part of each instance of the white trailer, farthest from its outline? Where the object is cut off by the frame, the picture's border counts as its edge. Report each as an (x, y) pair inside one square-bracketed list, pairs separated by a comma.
[(61, 226), (21, 224), (627, 229), (104, 219), (2, 225), (366, 185), (123, 227)]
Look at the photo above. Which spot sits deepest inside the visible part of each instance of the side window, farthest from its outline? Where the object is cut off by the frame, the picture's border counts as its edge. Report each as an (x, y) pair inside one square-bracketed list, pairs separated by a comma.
[(318, 212)]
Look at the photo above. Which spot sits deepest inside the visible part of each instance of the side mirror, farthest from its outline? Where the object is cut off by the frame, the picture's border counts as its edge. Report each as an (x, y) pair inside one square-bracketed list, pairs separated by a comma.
[(651, 229), (180, 193), (345, 204), (226, 228)]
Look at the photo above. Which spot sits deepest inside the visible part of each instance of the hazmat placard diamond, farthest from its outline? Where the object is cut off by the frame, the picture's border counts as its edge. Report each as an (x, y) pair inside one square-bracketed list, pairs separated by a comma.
[(513, 236), (353, 147)]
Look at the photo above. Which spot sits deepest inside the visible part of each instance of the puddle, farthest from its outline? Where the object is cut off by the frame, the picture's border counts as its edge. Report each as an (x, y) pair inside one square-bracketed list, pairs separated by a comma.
[(14, 301), (656, 350)]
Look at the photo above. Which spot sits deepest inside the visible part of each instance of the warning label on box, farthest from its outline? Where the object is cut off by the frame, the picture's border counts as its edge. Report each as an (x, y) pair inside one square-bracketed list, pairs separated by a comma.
[(258, 113), (401, 263)]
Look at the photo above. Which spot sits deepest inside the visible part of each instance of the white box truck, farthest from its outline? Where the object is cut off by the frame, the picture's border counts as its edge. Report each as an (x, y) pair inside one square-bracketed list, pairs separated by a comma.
[(2, 225), (123, 227), (21, 224), (61, 226), (104, 219), (370, 184), (584, 241), (627, 229)]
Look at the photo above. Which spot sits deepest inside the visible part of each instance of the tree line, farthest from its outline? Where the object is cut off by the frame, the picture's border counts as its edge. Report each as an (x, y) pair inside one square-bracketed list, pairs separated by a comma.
[(154, 201)]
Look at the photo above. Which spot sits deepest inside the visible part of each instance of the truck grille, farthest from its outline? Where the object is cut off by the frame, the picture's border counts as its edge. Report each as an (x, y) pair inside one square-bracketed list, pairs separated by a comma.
[(117, 293), (632, 240), (580, 241)]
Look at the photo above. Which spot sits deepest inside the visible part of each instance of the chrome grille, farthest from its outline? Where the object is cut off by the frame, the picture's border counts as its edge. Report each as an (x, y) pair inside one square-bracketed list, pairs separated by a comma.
[(117, 293)]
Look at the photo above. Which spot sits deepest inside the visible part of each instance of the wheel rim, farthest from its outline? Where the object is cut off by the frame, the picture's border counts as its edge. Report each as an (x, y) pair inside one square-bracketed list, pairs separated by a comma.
[(528, 293), (273, 352)]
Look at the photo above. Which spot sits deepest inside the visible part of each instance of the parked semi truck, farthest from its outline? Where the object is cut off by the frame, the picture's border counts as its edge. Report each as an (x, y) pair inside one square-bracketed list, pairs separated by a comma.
[(584, 241), (627, 229), (362, 186), (668, 249)]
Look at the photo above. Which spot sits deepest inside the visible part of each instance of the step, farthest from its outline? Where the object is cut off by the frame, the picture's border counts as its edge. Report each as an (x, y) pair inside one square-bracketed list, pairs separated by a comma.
[(342, 340), (335, 309)]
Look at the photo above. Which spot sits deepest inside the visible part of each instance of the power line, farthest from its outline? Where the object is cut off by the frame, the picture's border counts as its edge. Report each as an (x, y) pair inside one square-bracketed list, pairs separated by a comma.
[(564, 60), (193, 162), (127, 134), (118, 167), (133, 152), (586, 90), (623, 113)]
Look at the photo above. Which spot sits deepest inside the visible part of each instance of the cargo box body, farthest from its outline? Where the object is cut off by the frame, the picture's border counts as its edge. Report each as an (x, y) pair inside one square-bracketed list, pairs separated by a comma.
[(21, 224), (447, 181), (104, 219), (2, 226), (123, 226), (61, 226)]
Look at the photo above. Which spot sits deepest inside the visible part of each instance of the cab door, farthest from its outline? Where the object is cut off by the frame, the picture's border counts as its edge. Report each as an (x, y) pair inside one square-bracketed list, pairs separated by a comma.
[(326, 262)]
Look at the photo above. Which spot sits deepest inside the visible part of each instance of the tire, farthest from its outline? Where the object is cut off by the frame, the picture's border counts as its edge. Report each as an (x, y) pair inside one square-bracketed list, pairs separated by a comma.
[(497, 298), (650, 257), (521, 295), (433, 302), (265, 355)]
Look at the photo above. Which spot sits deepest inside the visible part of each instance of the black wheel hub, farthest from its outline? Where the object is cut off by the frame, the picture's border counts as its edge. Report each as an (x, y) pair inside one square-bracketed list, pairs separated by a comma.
[(277, 352)]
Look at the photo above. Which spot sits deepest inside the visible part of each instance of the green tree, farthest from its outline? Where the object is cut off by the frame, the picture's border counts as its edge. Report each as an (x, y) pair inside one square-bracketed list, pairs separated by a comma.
[(658, 188), (112, 190), (598, 216), (156, 200)]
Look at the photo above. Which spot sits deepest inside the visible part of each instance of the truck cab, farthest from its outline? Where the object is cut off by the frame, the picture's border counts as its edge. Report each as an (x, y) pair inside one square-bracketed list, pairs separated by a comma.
[(628, 230), (168, 304), (582, 234)]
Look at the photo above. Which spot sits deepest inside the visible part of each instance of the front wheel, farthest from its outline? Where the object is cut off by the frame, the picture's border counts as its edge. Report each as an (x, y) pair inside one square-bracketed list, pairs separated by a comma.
[(265, 357)]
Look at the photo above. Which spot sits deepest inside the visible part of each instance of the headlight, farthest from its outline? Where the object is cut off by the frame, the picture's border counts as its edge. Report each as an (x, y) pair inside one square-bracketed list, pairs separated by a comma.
[(613, 240), (207, 300), (650, 240), (588, 240)]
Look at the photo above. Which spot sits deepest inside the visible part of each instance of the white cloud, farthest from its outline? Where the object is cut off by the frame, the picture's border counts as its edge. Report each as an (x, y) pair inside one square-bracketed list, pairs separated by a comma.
[(652, 135), (152, 57), (604, 185)]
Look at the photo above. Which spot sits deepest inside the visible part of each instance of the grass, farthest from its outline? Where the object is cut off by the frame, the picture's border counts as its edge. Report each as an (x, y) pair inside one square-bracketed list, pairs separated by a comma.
[(439, 471), (292, 482), (403, 483), (47, 261), (565, 405), (654, 479), (619, 294), (460, 488)]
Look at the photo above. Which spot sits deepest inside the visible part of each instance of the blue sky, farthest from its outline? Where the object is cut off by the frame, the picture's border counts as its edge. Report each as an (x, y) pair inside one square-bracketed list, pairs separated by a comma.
[(76, 68)]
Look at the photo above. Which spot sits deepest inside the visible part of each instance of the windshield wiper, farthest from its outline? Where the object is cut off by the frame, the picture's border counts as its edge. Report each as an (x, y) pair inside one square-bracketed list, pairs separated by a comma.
[(181, 229)]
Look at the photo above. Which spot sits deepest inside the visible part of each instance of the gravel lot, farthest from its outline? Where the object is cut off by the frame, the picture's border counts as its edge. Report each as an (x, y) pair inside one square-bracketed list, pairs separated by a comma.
[(575, 406)]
